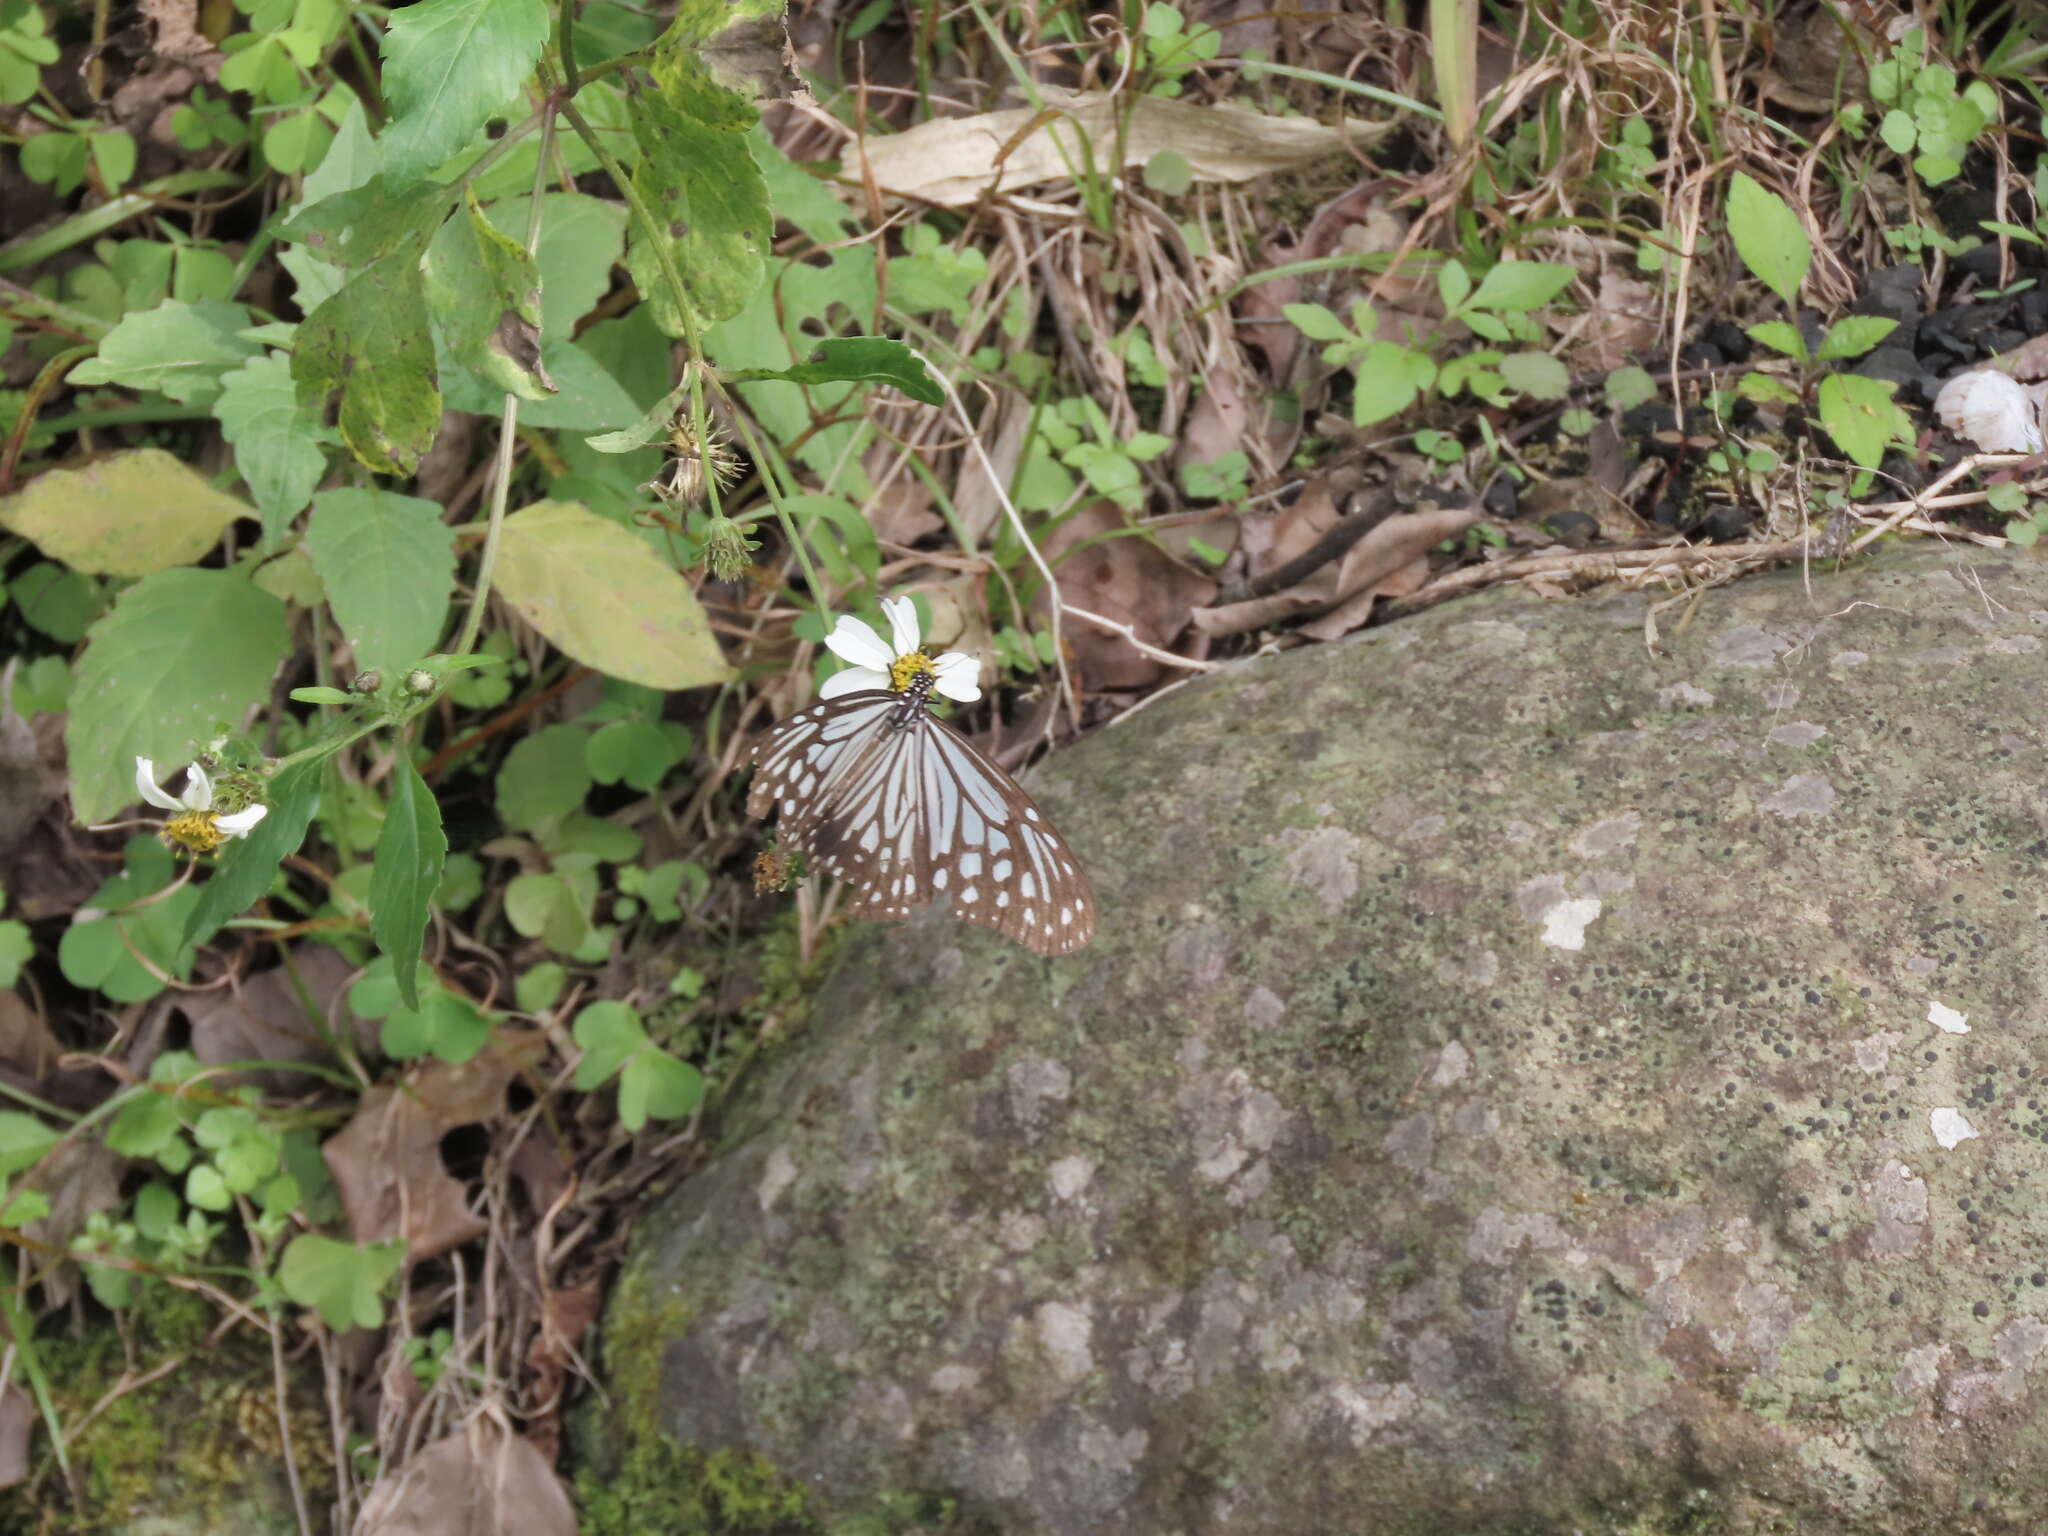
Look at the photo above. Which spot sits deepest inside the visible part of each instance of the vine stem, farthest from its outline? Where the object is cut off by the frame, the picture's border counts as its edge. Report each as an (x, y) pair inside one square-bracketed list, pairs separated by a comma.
[(508, 431)]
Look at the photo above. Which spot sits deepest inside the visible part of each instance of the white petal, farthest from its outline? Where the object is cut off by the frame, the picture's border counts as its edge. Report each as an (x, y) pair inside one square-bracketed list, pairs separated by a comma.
[(855, 641), (146, 786), (853, 680), (901, 613), (238, 825), (959, 675), (1992, 410), (198, 789)]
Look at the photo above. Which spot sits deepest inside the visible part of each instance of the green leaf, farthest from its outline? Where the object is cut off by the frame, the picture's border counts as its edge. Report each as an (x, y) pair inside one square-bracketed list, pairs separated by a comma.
[(1516, 286), (450, 66), (179, 349), (23, 1141), (547, 907), (1861, 416), (16, 948), (484, 291), (1386, 382), (1169, 173), (444, 1025), (635, 751), (370, 344), (1779, 336), (539, 987), (656, 1086), (1628, 387), (182, 653), (698, 175), (410, 850), (544, 777), (1768, 237), (277, 446), (145, 1125), (1854, 335), (343, 1281), (388, 564), (1536, 374), (136, 511), (1934, 168), (856, 359), (609, 1034), (605, 598), (1316, 322), (249, 864), (1898, 131)]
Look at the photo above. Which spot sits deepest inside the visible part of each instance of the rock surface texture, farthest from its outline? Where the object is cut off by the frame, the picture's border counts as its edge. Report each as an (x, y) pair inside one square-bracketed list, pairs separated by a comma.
[(1522, 1083)]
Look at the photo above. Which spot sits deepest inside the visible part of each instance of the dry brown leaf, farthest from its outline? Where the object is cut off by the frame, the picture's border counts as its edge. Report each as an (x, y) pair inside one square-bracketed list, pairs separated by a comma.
[(477, 1480), (1379, 557), (955, 161), (28, 1051), (386, 1161), (265, 1020), (1128, 580), (17, 1422), (80, 1179)]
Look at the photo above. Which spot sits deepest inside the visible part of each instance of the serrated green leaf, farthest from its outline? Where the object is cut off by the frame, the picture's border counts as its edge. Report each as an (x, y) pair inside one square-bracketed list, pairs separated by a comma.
[(134, 512), (179, 349), (1861, 416), (450, 66), (407, 868), (1780, 336), (1628, 387), (484, 291), (1768, 236), (343, 1281), (182, 653), (605, 598), (1316, 322), (697, 173), (856, 359), (249, 863), (1536, 374), (370, 344), (277, 446), (388, 564), (1854, 335), (1518, 286)]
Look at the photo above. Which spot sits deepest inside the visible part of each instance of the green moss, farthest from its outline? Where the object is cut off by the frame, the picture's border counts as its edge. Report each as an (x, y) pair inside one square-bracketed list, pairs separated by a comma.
[(661, 1486)]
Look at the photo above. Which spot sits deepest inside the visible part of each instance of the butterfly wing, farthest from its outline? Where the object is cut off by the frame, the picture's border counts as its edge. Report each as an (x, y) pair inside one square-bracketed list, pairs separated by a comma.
[(906, 812)]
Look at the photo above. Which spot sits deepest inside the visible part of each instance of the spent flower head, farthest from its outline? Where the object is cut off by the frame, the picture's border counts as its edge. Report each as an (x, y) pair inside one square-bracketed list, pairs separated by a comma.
[(891, 666), (195, 825)]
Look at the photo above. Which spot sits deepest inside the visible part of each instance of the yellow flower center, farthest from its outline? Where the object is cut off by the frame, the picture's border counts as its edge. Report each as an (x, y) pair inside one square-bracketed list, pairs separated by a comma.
[(194, 831), (907, 668)]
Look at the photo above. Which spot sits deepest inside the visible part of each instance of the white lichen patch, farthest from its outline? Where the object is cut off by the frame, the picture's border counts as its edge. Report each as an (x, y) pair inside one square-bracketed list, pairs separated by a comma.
[(1035, 1084), (1070, 1176), (1264, 1008), (1799, 733), (1747, 645), (1371, 1406), (2016, 645), (1949, 1127), (1564, 925), (777, 1174), (1480, 969), (1496, 1234), (1324, 862), (1804, 794), (1609, 836), (1019, 1231), (1452, 1063), (1898, 1204), (1873, 1053), (1947, 1020), (952, 1380), (1684, 695), (1847, 659), (1063, 1335)]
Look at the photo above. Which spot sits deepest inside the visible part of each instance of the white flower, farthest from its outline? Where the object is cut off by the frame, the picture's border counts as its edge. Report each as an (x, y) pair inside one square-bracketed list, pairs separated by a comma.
[(889, 667), (194, 824)]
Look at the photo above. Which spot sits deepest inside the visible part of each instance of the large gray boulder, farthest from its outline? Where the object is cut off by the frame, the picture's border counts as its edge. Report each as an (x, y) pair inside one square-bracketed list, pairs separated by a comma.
[(1502, 1097)]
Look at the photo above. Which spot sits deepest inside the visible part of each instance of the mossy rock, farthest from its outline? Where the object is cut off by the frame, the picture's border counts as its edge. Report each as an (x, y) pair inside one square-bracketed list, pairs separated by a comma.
[(1500, 1098)]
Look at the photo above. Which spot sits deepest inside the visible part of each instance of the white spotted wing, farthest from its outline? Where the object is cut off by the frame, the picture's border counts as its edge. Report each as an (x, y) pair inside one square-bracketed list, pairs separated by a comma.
[(872, 789)]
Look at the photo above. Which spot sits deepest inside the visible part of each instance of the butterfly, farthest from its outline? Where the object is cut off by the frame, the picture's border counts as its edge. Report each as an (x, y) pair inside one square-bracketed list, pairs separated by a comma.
[(874, 789)]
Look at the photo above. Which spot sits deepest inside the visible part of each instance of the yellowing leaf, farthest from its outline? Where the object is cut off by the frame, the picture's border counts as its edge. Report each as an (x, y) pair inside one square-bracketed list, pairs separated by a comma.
[(605, 598), (136, 512)]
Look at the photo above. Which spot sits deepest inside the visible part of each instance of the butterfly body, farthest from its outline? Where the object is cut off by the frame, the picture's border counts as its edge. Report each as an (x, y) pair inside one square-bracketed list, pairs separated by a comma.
[(873, 789)]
